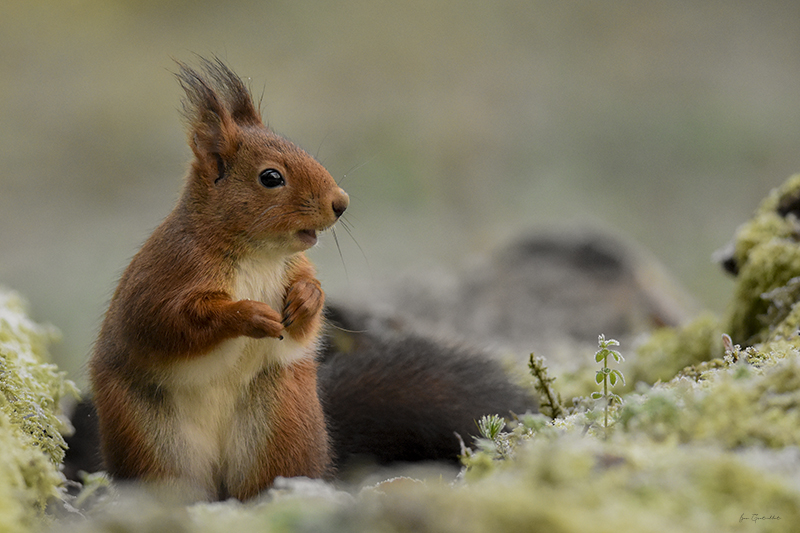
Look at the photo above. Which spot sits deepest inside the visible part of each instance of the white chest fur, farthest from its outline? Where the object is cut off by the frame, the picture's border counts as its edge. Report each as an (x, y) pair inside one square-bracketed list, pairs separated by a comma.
[(207, 389), (261, 278)]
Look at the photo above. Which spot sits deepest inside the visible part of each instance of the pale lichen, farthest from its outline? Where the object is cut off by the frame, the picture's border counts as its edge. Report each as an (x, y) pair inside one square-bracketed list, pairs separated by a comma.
[(31, 444)]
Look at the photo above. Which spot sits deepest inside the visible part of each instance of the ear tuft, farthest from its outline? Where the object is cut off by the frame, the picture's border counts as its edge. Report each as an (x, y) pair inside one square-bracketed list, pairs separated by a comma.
[(217, 103)]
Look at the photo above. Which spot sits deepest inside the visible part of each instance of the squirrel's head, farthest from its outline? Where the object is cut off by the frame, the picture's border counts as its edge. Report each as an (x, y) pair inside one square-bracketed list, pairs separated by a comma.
[(253, 185)]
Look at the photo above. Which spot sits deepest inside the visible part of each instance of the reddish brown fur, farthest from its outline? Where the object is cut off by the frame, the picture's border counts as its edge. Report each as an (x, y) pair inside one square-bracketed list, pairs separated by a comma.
[(298, 418), (176, 304)]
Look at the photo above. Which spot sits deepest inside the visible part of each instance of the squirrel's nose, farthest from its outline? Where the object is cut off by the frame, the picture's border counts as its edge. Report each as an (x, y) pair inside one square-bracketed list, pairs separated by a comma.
[(340, 203)]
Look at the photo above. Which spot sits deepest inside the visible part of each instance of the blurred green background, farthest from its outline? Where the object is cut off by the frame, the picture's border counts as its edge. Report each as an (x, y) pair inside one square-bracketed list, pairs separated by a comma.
[(453, 125)]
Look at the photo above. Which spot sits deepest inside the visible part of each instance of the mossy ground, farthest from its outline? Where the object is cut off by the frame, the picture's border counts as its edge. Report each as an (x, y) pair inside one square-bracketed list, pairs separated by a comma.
[(31, 442), (706, 439)]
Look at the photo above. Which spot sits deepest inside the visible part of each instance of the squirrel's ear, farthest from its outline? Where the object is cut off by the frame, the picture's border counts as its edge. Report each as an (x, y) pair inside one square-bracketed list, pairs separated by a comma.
[(216, 104), (212, 131)]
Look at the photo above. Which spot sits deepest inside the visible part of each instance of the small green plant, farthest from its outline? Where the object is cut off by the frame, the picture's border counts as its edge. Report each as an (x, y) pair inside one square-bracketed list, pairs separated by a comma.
[(490, 426), (493, 439), (550, 403), (498, 440), (607, 376)]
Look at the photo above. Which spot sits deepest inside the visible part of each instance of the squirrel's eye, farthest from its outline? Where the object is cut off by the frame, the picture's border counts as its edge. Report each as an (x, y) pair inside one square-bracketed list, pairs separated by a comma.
[(271, 178)]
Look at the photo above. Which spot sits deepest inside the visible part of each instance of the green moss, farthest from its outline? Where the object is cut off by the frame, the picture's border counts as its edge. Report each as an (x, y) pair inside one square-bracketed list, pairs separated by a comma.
[(762, 310), (770, 266), (768, 257), (731, 408), (580, 484), (669, 350), (786, 333), (767, 223), (31, 445)]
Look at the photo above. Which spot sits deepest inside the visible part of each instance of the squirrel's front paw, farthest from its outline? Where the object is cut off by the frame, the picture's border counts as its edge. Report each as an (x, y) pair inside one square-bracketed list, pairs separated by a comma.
[(303, 306), (258, 319)]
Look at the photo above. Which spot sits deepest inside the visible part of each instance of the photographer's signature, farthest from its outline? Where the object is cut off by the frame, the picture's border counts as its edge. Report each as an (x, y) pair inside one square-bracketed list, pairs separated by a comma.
[(755, 517)]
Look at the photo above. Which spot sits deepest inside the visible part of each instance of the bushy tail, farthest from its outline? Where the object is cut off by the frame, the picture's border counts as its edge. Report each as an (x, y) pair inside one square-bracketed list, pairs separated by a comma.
[(404, 397)]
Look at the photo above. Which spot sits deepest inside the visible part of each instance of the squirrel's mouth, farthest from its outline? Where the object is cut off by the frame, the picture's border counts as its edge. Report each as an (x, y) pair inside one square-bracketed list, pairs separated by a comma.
[(307, 237)]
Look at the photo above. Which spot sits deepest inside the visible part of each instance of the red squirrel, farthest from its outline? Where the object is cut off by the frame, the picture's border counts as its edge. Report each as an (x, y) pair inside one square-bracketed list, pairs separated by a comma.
[(204, 371)]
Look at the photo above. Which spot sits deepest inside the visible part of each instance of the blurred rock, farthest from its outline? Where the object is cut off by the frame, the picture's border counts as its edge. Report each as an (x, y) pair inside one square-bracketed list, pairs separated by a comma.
[(540, 292)]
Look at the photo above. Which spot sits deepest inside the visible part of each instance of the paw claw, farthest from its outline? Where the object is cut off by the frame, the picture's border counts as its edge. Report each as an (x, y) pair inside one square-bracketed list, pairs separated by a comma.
[(303, 303)]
